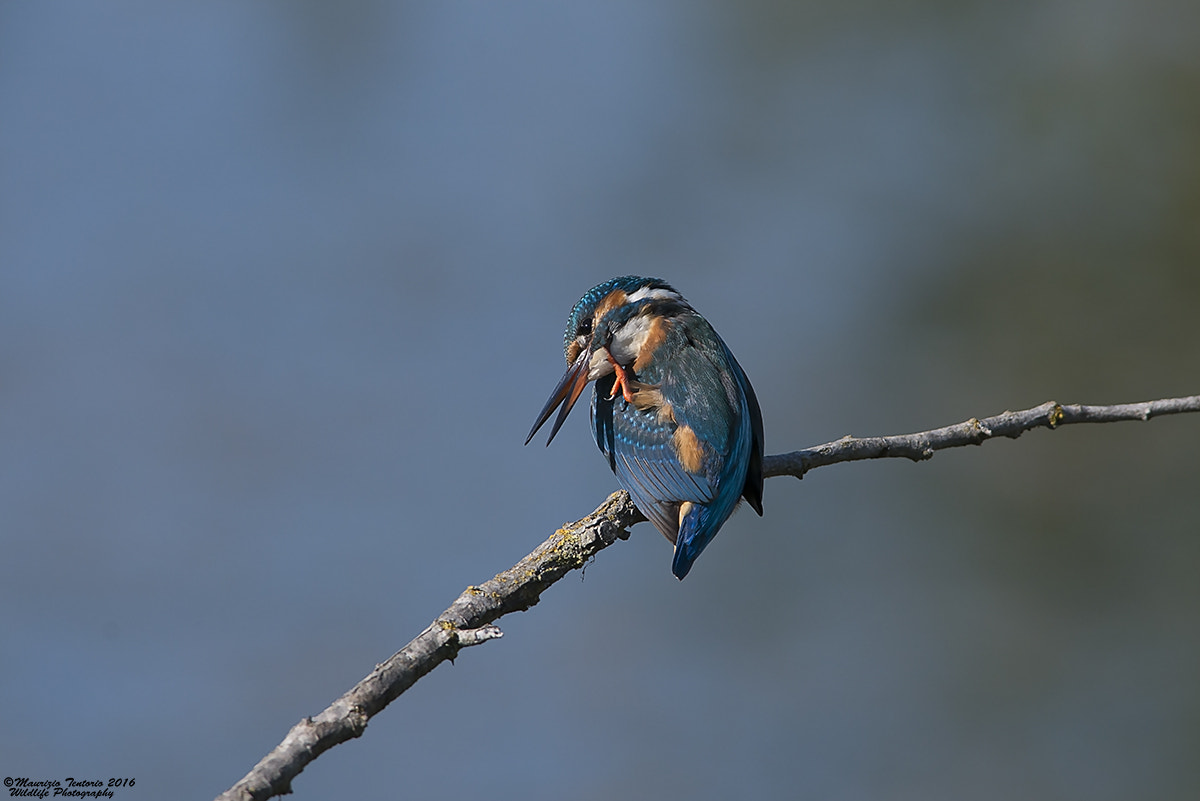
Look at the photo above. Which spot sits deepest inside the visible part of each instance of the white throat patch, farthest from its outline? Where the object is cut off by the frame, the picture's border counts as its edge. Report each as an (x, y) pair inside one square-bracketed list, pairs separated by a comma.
[(627, 340)]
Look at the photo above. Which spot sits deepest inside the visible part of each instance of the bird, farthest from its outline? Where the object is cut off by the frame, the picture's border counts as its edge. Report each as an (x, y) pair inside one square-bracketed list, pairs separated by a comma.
[(672, 410)]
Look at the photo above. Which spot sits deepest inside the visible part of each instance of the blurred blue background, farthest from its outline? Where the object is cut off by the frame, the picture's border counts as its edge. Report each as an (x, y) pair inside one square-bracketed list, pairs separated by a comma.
[(282, 287)]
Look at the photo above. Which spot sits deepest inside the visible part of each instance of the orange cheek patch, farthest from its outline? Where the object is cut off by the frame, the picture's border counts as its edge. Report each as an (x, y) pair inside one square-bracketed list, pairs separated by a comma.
[(611, 301), (689, 449), (655, 336), (573, 352)]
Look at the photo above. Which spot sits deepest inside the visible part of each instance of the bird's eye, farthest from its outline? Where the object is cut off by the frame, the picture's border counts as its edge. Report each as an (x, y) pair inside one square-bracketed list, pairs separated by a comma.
[(585, 328)]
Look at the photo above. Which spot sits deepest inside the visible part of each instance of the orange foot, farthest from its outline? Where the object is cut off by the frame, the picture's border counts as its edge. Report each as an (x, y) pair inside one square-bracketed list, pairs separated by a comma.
[(622, 382)]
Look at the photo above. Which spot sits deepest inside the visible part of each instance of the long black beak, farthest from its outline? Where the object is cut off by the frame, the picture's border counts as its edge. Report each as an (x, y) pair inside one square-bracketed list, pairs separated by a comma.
[(569, 388)]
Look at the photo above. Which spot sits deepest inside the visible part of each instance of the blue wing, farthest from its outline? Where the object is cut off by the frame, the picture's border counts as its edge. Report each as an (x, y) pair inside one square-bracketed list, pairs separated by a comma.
[(640, 452), (720, 405)]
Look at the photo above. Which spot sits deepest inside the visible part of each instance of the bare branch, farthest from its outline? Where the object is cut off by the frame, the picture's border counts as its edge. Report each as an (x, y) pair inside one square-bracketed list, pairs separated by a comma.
[(922, 445), (468, 620)]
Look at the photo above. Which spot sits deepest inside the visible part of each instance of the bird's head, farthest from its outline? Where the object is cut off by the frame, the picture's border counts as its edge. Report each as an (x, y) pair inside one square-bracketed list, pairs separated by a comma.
[(605, 329)]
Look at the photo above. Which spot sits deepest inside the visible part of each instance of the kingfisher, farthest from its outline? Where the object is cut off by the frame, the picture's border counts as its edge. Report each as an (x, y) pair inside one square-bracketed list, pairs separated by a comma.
[(672, 410)]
